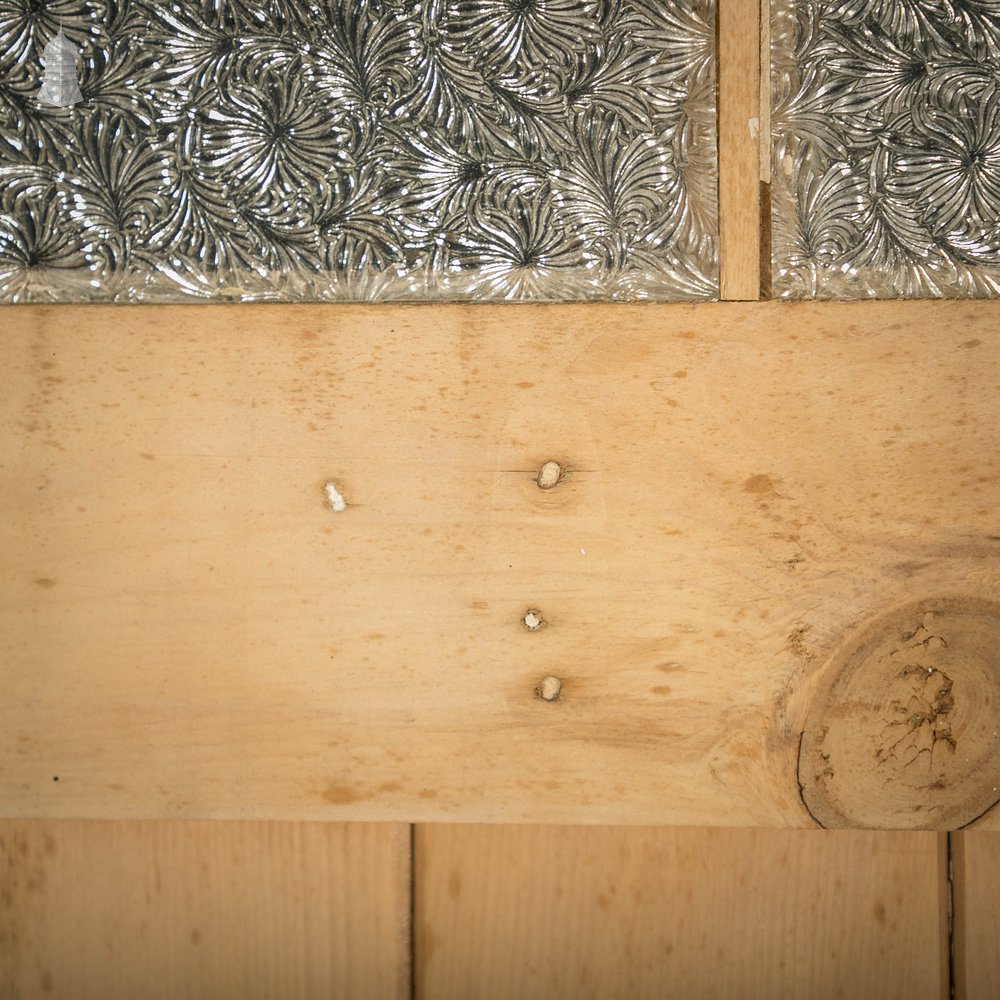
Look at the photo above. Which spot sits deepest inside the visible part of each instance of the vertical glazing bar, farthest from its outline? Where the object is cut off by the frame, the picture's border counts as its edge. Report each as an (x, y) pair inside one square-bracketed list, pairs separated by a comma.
[(740, 129)]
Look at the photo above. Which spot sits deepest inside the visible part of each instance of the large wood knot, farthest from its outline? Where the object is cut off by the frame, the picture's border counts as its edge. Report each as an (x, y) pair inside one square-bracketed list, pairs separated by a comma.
[(906, 732)]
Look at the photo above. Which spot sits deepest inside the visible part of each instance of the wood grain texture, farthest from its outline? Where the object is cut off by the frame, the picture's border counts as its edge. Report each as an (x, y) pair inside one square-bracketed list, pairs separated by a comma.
[(740, 125), (920, 687), (553, 912), (188, 629), (102, 911), (765, 105), (977, 914)]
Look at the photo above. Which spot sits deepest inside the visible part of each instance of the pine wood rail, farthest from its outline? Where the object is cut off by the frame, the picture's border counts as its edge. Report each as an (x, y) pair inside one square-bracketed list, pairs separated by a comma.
[(765, 569)]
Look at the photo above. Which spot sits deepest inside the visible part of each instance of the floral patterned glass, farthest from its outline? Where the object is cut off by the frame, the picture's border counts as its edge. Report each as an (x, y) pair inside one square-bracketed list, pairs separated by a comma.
[(361, 149), (886, 148)]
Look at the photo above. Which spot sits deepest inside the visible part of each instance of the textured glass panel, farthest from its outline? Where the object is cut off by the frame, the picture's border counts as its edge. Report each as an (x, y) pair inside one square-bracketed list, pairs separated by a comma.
[(361, 149), (886, 143)]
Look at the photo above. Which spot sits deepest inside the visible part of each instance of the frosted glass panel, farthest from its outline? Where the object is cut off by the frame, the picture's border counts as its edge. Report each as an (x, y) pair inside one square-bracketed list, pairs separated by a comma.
[(886, 152), (370, 149)]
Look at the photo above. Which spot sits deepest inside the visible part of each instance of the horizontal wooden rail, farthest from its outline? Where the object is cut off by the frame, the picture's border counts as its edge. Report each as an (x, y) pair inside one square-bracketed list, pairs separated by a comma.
[(311, 562)]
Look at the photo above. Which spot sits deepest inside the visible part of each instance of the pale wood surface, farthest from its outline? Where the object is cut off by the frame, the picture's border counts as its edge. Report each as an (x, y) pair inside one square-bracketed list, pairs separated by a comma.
[(977, 911), (108, 900), (765, 104), (187, 629), (742, 125), (604, 913), (119, 911)]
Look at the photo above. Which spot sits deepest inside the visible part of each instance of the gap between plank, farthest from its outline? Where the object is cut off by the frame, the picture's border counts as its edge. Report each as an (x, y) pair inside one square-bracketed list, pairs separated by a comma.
[(764, 141), (950, 876), (413, 912), (956, 916)]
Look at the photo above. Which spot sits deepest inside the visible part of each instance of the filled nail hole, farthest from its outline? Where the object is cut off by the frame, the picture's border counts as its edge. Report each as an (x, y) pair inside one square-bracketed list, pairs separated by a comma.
[(549, 475), (334, 497), (549, 689), (533, 620)]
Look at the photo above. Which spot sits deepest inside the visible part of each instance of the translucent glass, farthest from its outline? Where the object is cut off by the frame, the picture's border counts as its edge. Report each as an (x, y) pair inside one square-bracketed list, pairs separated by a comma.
[(886, 148), (361, 149)]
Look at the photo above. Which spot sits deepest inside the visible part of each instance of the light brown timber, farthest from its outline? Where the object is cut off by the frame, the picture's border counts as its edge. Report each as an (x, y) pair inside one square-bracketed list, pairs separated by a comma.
[(976, 871), (204, 911), (189, 629), (558, 913), (741, 136)]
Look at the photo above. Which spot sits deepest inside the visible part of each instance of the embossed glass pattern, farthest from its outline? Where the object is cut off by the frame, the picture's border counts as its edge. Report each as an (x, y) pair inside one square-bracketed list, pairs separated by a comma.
[(886, 148), (361, 150)]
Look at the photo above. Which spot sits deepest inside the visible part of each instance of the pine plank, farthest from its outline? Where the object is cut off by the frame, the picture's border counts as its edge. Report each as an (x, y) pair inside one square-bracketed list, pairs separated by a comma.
[(977, 915), (554, 912), (100, 911), (188, 629), (741, 131)]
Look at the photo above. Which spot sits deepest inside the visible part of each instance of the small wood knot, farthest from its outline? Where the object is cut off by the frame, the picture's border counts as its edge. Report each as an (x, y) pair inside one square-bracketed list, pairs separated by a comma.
[(549, 476), (532, 620), (549, 689)]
